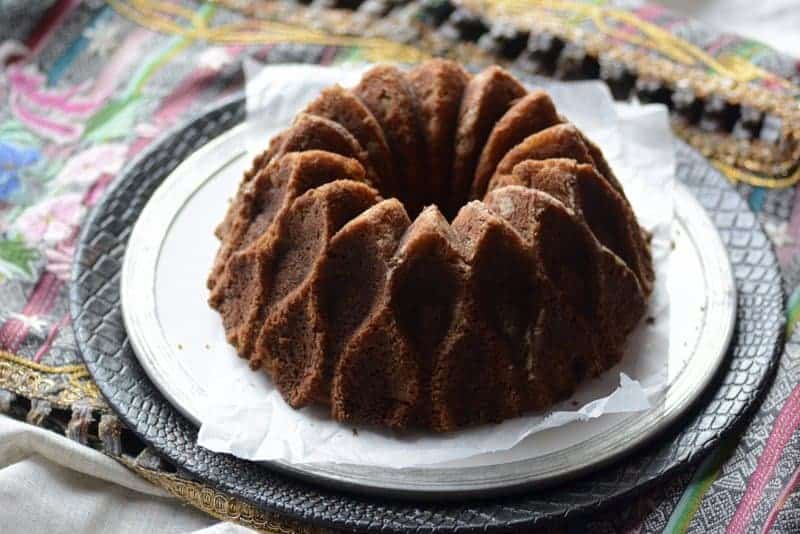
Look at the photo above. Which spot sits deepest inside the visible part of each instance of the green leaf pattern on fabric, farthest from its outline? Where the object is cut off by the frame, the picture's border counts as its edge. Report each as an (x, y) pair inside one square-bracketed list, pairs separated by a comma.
[(114, 121), (17, 260)]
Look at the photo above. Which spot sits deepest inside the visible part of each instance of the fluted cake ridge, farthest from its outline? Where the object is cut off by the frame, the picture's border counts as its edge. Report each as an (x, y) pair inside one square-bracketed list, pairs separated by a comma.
[(430, 249)]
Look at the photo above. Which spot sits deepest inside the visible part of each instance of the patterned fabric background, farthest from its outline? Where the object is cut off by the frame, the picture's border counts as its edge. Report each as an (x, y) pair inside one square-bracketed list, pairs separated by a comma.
[(84, 87)]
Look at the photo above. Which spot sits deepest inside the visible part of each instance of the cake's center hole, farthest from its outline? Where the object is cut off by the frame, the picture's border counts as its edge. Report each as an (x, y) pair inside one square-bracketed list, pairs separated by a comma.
[(446, 202)]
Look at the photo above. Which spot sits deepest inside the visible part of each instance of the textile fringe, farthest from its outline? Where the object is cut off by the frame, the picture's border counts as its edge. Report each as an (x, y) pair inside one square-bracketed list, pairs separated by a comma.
[(78, 426), (40, 409), (110, 433), (149, 459)]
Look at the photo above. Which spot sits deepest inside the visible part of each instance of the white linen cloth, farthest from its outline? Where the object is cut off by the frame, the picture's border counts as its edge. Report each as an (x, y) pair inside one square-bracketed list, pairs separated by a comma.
[(50, 484)]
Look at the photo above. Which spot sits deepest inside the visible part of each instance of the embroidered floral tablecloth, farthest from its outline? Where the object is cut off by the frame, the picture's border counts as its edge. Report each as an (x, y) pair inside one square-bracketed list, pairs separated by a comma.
[(86, 86)]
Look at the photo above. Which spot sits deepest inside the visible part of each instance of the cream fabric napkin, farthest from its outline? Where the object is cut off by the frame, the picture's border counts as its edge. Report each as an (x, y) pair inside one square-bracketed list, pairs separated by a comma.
[(51, 484)]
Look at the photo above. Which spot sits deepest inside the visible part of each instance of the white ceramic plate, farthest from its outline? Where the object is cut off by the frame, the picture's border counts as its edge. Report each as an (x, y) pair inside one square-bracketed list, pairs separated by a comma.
[(180, 343)]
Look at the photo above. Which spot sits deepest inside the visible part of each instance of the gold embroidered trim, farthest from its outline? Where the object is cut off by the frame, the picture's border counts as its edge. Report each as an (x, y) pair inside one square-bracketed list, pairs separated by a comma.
[(60, 385), (736, 174), (608, 19), (767, 166), (739, 160), (660, 55), (158, 16), (756, 162), (730, 78), (220, 505), (347, 25)]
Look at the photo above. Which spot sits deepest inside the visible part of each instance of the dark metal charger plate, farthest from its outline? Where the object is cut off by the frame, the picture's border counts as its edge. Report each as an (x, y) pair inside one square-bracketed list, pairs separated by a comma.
[(98, 324)]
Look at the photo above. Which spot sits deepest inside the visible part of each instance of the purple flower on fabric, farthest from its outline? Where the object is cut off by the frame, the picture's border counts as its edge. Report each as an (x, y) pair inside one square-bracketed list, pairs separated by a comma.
[(12, 160)]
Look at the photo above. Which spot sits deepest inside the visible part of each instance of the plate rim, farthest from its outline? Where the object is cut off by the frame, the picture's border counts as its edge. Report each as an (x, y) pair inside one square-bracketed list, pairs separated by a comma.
[(139, 316)]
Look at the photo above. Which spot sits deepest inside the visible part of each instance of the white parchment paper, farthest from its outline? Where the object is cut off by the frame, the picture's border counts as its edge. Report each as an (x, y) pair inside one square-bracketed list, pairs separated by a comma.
[(245, 414)]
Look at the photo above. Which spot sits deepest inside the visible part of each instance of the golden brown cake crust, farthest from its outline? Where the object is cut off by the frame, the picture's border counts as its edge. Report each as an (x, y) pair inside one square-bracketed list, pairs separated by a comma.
[(530, 114), (439, 85), (237, 281), (389, 314), (287, 344), (560, 141), (608, 215), (259, 162), (486, 98), (260, 200), (386, 93), (312, 132), (394, 347), (341, 106)]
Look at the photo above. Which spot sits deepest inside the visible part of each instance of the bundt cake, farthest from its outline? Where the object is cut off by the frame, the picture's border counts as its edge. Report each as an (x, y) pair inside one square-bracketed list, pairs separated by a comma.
[(430, 249)]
